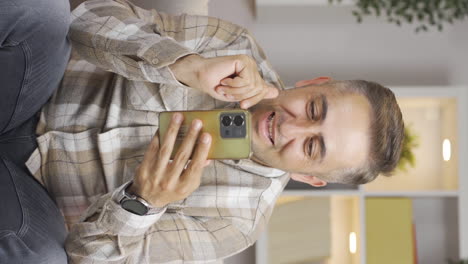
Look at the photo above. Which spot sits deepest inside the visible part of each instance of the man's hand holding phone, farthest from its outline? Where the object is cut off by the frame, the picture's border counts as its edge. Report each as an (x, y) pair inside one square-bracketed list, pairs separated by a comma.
[(160, 181), (226, 78)]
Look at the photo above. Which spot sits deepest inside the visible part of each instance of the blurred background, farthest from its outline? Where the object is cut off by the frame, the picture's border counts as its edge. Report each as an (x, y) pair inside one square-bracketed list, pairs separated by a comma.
[(412, 217), (308, 38), (420, 215)]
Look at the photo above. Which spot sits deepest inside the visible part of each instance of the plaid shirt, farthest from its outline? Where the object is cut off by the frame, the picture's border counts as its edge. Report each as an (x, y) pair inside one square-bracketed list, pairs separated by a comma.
[(95, 129)]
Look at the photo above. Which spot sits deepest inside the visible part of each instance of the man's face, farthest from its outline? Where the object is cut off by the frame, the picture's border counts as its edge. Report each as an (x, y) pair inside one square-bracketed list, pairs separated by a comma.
[(311, 130)]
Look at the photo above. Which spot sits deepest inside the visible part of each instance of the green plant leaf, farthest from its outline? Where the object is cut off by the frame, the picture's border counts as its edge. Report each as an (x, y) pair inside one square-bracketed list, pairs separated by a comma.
[(410, 142), (409, 18), (424, 14), (462, 261), (420, 16)]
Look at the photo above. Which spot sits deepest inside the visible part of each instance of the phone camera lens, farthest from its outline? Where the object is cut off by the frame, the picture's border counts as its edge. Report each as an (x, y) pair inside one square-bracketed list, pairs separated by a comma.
[(238, 120), (226, 120)]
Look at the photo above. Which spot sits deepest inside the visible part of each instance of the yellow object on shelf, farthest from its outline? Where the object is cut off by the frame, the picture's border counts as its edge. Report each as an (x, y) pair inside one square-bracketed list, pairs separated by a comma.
[(389, 231), (299, 231)]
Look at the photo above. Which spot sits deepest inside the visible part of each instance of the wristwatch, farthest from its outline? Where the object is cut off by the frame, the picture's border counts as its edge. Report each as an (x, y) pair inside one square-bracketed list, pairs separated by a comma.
[(135, 204)]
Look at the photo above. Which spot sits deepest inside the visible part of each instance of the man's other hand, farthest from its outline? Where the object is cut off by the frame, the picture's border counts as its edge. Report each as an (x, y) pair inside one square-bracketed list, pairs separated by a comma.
[(160, 181), (226, 78)]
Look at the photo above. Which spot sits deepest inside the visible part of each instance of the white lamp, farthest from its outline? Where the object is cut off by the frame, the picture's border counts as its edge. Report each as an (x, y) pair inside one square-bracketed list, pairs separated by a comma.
[(446, 149), (352, 243)]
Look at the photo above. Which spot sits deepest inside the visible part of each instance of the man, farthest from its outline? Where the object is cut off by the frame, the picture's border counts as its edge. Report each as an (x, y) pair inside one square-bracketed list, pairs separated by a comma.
[(97, 147), (33, 55)]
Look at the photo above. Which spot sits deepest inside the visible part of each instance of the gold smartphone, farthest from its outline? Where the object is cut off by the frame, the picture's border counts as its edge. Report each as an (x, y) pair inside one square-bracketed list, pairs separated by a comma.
[(229, 129)]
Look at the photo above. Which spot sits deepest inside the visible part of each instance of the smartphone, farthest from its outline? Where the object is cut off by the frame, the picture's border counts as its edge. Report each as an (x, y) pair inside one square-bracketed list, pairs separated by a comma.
[(230, 130)]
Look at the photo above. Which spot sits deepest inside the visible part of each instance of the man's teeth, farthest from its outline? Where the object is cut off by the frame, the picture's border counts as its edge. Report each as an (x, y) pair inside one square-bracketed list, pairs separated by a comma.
[(270, 126)]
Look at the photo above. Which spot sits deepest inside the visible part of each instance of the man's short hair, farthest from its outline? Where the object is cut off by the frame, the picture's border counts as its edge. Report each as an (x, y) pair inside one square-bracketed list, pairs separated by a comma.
[(386, 133)]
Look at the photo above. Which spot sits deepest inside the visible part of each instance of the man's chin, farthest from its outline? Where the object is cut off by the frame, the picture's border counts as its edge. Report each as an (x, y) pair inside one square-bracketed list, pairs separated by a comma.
[(259, 160)]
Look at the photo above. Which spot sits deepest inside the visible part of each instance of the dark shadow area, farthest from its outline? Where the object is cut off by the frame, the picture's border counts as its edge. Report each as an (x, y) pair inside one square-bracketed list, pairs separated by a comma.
[(294, 185)]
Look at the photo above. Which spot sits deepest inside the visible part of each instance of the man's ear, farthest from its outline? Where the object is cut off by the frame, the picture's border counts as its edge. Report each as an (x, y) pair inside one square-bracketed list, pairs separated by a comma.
[(316, 81), (312, 180)]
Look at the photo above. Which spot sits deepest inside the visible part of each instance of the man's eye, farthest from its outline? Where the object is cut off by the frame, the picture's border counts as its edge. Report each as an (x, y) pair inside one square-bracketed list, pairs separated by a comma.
[(310, 147), (313, 111)]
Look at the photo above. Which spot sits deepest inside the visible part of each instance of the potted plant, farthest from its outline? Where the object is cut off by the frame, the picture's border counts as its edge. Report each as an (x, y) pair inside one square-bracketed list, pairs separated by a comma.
[(425, 14), (410, 142), (465, 261)]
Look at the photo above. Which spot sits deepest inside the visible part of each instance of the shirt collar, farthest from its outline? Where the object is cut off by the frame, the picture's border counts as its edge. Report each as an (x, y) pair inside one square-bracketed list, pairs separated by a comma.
[(254, 167)]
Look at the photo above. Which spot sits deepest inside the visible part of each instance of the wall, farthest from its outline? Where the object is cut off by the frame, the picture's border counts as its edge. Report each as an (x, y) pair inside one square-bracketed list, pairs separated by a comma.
[(303, 42), (436, 229)]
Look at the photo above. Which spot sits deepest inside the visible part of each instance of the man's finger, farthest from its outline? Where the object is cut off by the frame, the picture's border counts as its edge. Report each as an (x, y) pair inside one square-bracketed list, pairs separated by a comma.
[(272, 92), (247, 103), (220, 95), (193, 171), (239, 90), (235, 82), (169, 139), (151, 153), (185, 149), (238, 96)]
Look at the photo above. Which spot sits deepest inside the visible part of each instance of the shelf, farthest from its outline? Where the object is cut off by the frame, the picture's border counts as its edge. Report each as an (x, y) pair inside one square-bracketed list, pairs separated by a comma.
[(299, 230), (411, 194), (436, 189), (309, 229), (308, 193), (345, 219)]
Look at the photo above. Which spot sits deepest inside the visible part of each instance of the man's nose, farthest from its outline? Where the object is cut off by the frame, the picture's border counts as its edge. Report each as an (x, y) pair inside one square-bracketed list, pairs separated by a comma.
[(296, 128)]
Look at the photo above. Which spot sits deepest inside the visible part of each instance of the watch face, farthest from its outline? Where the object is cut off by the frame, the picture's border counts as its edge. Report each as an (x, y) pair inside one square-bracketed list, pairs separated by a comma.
[(134, 206)]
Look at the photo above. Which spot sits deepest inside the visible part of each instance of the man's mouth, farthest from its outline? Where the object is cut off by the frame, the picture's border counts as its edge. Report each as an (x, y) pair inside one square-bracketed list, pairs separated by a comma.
[(266, 127), (271, 130)]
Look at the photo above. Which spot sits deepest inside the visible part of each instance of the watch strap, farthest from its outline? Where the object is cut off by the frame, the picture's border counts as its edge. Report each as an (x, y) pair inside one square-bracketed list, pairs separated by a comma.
[(125, 196)]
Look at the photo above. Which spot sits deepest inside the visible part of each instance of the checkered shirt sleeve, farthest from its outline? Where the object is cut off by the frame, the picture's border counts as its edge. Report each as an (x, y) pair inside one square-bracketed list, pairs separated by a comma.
[(225, 215)]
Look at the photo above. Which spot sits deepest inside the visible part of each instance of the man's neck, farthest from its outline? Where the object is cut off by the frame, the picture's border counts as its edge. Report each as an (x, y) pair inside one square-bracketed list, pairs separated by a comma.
[(258, 160)]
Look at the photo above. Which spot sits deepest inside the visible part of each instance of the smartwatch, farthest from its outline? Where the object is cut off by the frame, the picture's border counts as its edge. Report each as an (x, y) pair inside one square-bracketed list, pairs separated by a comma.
[(135, 204)]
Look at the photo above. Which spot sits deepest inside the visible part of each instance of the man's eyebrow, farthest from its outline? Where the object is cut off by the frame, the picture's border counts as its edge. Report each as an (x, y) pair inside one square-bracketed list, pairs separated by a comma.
[(324, 107), (323, 148)]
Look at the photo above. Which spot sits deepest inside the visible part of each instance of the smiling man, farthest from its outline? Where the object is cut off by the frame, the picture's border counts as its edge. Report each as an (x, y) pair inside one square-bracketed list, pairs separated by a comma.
[(313, 130), (329, 131), (123, 199)]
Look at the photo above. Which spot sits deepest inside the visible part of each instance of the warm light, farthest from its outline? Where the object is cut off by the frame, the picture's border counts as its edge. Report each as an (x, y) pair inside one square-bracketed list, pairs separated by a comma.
[(446, 149), (352, 243)]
